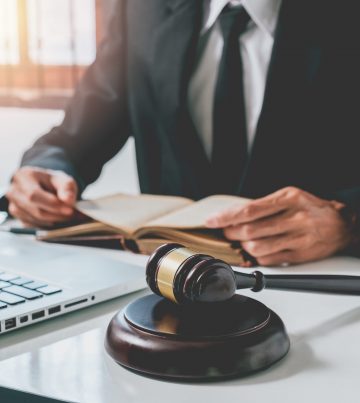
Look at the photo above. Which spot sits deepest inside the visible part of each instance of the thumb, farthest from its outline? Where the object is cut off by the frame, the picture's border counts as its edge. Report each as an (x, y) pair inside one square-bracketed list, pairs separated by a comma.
[(65, 187)]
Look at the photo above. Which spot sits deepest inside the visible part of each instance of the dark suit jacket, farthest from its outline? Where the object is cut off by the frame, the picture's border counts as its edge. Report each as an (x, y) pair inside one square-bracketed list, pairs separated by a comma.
[(309, 126)]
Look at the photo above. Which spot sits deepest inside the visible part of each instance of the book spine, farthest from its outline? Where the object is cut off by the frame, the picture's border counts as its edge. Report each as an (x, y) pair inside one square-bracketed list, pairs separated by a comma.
[(104, 243)]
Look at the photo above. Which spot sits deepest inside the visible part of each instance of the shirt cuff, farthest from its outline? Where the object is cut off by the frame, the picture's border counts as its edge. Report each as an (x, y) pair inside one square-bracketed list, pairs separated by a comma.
[(351, 216), (4, 203)]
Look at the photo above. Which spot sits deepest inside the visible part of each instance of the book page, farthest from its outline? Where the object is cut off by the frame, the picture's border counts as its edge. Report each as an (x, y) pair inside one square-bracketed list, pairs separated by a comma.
[(129, 212), (195, 215)]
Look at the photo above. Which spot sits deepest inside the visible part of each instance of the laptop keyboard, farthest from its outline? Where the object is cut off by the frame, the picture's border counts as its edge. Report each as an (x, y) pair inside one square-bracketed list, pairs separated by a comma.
[(17, 290)]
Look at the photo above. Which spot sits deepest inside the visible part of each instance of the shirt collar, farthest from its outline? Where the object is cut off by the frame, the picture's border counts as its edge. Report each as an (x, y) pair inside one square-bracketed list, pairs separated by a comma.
[(264, 13)]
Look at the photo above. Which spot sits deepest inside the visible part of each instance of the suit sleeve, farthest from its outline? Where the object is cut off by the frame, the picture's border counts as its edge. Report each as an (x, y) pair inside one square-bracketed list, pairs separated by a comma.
[(96, 123)]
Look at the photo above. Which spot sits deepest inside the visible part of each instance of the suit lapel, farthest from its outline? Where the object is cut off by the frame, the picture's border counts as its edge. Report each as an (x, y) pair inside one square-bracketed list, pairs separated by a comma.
[(174, 48), (175, 51), (294, 64)]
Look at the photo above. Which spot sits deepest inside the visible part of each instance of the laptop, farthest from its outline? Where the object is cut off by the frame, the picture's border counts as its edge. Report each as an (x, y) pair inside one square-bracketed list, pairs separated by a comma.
[(39, 281)]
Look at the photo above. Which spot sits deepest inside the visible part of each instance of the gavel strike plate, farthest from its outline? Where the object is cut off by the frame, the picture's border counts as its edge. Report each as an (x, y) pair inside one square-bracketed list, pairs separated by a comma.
[(197, 342)]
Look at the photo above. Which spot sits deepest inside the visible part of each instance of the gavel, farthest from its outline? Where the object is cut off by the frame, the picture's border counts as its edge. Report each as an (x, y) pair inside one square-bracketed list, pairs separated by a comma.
[(184, 276)]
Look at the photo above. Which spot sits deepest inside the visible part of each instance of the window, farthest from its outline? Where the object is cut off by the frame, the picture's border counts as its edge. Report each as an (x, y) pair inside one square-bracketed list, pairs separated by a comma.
[(9, 38), (61, 32), (46, 45)]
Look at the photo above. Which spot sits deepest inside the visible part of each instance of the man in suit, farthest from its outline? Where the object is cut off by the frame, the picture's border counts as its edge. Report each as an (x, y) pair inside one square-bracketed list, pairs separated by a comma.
[(255, 97)]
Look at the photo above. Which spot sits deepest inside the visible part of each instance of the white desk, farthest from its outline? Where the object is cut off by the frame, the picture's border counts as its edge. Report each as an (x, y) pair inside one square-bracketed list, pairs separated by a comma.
[(65, 357)]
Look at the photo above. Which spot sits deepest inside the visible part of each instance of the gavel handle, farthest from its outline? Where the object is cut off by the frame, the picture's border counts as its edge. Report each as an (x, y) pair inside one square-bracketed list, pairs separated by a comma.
[(330, 284)]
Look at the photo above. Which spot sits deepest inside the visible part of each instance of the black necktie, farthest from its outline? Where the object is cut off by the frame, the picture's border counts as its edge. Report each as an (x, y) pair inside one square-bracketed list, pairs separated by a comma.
[(229, 126)]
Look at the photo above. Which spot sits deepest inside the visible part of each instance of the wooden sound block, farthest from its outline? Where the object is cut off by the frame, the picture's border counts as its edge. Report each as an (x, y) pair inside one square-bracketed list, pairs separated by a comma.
[(208, 341)]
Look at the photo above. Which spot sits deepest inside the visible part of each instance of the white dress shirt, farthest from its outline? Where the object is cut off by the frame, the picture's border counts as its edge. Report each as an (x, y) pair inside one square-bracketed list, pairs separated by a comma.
[(256, 47)]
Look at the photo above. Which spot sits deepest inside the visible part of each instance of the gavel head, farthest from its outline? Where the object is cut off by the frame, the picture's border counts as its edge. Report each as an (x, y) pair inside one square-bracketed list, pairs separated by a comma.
[(182, 275)]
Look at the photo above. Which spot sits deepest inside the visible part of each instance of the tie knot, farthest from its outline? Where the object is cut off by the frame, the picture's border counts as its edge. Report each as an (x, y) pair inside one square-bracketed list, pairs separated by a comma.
[(233, 21)]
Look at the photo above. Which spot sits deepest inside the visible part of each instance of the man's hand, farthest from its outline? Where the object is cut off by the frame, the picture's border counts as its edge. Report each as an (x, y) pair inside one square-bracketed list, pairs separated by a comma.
[(288, 226), (41, 198)]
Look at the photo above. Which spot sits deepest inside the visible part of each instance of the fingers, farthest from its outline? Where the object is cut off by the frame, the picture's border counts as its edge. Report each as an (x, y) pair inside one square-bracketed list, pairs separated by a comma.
[(65, 187), (281, 258), (20, 214), (263, 228), (239, 214), (33, 196), (49, 202), (36, 219), (286, 222), (269, 246), (272, 204)]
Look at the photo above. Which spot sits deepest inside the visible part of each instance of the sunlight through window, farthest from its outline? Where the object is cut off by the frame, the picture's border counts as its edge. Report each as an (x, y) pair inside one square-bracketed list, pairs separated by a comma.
[(55, 32), (61, 32), (9, 39)]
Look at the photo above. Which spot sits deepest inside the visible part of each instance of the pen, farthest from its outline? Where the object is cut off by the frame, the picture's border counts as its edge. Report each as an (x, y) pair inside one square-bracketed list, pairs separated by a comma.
[(19, 231)]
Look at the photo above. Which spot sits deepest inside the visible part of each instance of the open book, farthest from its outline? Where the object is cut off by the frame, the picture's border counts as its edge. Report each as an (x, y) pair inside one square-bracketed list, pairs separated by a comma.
[(141, 223)]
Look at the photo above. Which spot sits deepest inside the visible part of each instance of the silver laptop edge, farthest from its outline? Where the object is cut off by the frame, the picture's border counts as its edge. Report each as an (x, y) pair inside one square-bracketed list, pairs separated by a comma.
[(85, 277)]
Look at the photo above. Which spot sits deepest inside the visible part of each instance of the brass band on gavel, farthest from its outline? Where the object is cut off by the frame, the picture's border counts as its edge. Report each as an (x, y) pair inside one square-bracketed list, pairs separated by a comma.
[(167, 269)]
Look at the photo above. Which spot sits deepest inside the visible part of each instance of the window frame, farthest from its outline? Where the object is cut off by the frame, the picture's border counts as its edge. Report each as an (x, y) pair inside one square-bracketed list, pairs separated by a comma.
[(27, 75)]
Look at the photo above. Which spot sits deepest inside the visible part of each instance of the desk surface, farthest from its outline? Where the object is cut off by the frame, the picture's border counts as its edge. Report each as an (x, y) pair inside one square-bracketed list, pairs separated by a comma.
[(65, 357)]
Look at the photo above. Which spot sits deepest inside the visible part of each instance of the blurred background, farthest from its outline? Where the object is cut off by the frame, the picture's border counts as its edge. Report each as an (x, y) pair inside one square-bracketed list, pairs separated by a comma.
[(45, 47)]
